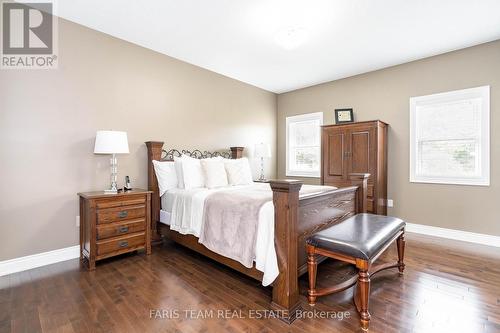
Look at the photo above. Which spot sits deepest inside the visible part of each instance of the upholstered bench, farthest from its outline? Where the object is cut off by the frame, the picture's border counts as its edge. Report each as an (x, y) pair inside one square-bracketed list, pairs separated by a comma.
[(358, 240)]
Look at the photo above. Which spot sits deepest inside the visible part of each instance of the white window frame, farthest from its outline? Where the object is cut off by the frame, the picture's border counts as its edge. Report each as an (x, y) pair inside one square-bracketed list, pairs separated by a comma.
[(299, 118), (478, 92)]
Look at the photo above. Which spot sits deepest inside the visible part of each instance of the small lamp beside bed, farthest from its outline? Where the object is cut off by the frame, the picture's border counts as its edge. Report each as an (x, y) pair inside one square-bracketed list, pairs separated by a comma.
[(111, 143), (262, 150)]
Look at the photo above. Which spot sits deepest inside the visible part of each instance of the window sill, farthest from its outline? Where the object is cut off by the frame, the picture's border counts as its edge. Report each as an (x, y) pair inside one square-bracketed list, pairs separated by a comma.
[(464, 182)]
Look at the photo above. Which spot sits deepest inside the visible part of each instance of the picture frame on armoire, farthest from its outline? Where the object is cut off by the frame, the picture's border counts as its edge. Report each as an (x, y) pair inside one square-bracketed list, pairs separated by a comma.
[(343, 116)]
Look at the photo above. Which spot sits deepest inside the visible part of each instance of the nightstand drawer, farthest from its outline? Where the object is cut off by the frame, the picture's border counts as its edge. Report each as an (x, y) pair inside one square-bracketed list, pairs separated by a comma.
[(120, 244), (110, 203), (109, 215), (120, 228)]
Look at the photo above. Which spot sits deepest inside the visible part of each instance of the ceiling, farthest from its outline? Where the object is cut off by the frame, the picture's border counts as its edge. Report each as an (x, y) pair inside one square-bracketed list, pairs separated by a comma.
[(238, 38)]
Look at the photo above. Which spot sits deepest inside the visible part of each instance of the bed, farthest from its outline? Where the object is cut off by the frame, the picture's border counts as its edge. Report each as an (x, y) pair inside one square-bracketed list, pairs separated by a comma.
[(294, 214)]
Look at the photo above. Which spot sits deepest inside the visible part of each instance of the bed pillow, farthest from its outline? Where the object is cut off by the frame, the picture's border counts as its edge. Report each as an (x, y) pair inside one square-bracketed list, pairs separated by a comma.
[(178, 171), (192, 172), (166, 176), (214, 172), (238, 171)]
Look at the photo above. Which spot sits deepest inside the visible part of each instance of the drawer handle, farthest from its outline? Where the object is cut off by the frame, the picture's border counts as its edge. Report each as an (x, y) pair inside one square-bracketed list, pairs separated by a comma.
[(123, 229), (122, 214), (123, 244)]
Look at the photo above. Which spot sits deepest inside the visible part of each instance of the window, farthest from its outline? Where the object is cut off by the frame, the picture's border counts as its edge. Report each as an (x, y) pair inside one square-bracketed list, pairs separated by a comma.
[(303, 145), (450, 137)]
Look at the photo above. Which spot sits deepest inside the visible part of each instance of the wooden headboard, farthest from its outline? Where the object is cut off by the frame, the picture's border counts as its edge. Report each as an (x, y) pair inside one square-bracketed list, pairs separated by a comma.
[(157, 153)]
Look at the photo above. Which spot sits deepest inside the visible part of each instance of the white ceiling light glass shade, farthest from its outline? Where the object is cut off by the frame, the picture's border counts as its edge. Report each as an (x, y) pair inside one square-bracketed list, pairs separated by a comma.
[(111, 142), (290, 38)]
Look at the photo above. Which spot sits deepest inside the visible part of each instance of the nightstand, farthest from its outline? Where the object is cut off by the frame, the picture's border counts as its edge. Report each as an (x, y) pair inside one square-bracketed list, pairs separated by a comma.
[(112, 224)]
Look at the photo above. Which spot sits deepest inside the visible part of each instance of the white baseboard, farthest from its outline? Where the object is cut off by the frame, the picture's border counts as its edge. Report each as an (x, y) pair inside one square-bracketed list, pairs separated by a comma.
[(37, 260), (460, 235)]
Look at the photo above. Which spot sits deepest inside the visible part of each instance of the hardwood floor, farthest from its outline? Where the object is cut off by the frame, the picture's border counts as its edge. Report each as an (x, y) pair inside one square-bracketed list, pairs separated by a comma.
[(447, 287)]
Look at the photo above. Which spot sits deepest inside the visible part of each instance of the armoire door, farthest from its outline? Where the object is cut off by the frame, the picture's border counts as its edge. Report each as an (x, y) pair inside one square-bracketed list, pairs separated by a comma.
[(362, 153), (357, 148), (335, 167)]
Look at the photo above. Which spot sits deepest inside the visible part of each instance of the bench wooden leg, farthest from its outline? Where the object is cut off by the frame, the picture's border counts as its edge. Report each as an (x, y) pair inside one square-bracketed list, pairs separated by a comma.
[(312, 268), (401, 252), (362, 295)]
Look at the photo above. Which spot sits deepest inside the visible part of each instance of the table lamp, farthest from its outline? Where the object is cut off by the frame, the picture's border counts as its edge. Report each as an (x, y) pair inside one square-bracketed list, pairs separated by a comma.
[(111, 143), (262, 150)]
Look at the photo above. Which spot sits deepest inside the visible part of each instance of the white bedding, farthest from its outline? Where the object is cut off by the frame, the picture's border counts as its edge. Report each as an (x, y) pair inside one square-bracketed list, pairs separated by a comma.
[(183, 211)]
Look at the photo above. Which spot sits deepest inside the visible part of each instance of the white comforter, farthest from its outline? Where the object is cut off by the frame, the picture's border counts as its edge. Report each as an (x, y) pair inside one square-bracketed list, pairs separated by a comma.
[(187, 217)]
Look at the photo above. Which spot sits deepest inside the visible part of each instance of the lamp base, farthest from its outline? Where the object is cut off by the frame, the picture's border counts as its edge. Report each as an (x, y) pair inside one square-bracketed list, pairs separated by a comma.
[(113, 189), (262, 177)]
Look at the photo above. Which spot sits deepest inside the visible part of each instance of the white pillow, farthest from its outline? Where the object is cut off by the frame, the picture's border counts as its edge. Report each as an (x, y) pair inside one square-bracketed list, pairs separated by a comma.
[(214, 172), (238, 171), (178, 171), (192, 172), (166, 176)]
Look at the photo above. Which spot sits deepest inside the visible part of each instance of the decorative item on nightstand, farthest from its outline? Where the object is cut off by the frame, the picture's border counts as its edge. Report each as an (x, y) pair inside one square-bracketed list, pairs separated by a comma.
[(262, 150), (127, 186), (111, 143)]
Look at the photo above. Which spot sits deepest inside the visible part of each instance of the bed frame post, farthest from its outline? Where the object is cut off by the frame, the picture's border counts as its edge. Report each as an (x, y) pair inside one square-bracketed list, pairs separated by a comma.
[(236, 152), (360, 180), (154, 153), (285, 287)]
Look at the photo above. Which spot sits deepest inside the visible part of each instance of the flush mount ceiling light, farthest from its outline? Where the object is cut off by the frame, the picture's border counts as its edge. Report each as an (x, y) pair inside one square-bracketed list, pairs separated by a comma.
[(290, 38)]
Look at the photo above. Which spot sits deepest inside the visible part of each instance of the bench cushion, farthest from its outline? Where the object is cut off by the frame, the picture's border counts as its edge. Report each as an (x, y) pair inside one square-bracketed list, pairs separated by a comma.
[(361, 236)]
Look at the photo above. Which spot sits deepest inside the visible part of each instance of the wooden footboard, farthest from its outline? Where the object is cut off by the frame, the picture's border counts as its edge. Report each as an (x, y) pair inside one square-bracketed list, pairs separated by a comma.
[(295, 220)]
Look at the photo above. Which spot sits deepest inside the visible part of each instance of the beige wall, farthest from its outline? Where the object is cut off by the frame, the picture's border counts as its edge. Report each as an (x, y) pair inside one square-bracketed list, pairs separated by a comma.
[(48, 120), (384, 95)]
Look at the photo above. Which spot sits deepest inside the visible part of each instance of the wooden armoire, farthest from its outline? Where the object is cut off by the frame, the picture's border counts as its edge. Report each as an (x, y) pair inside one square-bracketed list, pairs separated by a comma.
[(357, 148)]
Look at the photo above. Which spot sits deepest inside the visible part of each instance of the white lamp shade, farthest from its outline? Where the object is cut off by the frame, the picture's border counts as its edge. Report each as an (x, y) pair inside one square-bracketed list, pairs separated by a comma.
[(263, 150), (111, 142)]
